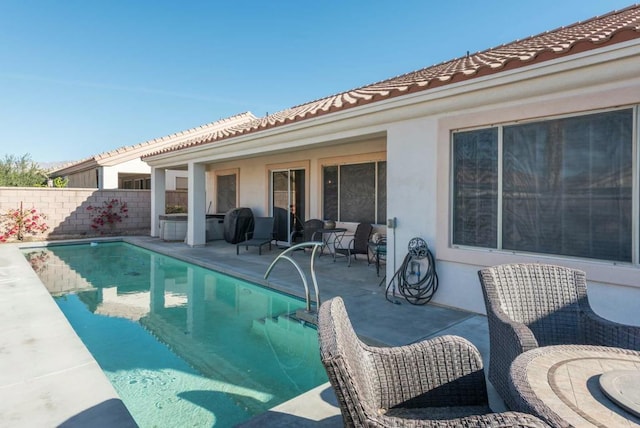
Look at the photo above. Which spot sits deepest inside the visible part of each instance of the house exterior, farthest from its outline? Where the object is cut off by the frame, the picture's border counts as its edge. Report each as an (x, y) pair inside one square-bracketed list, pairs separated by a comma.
[(527, 152), (122, 168)]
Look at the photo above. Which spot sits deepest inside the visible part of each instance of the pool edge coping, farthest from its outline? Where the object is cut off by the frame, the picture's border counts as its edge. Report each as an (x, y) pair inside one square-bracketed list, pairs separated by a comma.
[(51, 378)]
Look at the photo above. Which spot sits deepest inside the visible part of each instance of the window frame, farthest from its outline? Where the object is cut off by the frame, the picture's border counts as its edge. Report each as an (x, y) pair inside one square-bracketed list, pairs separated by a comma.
[(339, 162), (489, 256), (225, 172)]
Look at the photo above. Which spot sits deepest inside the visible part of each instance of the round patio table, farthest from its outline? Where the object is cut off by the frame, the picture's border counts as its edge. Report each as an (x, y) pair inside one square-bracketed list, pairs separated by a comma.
[(327, 235), (560, 384)]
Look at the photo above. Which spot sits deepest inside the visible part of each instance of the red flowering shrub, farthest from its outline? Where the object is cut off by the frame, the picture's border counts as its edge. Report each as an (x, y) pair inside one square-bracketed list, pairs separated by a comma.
[(110, 213), (17, 223)]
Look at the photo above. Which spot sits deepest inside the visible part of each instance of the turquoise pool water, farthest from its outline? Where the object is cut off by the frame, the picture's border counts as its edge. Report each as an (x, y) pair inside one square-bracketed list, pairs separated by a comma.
[(182, 345)]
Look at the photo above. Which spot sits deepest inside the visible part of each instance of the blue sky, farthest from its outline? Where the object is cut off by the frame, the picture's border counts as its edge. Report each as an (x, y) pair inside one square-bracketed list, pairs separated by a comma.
[(81, 77)]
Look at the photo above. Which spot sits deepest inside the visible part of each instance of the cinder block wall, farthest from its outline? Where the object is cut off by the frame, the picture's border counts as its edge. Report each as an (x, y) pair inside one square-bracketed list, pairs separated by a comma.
[(67, 214)]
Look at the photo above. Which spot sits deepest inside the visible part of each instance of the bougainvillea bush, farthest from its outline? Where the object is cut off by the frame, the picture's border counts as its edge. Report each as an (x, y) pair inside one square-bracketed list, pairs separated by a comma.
[(20, 223), (108, 214)]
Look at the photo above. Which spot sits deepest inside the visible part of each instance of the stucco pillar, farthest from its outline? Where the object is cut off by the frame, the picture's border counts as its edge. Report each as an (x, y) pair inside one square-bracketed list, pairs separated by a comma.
[(158, 196), (100, 177), (196, 223), (109, 178)]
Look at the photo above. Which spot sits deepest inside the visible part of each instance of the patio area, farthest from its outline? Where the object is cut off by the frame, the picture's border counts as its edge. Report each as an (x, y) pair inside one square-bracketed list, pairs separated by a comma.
[(376, 319)]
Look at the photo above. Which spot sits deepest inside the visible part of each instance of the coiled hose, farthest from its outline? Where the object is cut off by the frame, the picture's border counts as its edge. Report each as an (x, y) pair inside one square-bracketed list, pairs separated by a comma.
[(412, 285)]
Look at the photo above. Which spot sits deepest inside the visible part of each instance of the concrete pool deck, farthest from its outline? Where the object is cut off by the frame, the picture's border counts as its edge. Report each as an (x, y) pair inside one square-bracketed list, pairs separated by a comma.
[(48, 378)]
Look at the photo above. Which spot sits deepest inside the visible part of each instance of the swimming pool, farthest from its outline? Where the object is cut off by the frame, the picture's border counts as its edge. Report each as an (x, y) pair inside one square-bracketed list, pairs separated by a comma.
[(182, 345)]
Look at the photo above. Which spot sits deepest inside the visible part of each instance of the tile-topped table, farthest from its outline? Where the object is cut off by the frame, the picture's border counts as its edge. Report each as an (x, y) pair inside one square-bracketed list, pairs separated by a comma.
[(560, 384)]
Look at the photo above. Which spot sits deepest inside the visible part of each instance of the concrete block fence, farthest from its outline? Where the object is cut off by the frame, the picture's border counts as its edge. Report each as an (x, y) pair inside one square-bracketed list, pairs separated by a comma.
[(67, 214)]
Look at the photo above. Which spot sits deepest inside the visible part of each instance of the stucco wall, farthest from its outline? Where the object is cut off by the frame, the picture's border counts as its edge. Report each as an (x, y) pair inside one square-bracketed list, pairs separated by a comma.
[(419, 176), (110, 175), (254, 179), (67, 214), (171, 178)]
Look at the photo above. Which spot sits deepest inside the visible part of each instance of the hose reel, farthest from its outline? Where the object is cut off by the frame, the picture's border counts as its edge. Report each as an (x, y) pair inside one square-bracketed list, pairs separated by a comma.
[(414, 281)]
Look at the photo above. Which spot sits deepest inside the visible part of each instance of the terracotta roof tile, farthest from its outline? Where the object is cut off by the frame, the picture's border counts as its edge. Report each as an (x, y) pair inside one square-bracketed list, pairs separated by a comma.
[(166, 141), (610, 28)]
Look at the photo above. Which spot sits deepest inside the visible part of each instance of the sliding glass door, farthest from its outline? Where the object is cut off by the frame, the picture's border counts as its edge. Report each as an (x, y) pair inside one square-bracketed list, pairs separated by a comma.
[(288, 202)]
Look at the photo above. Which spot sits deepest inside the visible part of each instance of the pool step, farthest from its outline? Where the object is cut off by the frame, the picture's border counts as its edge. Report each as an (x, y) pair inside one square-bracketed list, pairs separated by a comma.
[(201, 356), (280, 329)]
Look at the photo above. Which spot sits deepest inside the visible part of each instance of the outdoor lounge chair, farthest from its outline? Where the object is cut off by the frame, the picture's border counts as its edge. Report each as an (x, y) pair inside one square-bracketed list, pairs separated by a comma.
[(262, 234), (357, 243), (533, 305), (438, 382)]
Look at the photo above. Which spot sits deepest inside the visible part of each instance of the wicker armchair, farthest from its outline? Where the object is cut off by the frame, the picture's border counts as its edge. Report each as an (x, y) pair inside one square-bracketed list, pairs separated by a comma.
[(532, 305), (434, 383)]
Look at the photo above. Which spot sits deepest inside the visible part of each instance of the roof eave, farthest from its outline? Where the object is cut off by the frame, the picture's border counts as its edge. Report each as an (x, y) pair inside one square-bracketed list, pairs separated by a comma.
[(534, 69)]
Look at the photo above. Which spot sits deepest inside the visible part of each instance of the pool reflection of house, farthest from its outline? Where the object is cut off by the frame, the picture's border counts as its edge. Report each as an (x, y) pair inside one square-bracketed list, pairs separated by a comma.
[(553, 115), (203, 316)]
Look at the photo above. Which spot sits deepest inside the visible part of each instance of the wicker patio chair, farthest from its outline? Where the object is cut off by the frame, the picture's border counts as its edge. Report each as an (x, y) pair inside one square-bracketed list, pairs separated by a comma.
[(533, 305), (433, 383)]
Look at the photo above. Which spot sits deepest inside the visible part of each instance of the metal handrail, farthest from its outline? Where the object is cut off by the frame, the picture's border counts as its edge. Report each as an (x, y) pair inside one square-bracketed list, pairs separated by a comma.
[(285, 255)]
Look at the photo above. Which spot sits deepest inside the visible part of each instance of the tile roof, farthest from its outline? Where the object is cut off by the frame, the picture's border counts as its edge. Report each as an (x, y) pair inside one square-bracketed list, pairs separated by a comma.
[(614, 27), (134, 151)]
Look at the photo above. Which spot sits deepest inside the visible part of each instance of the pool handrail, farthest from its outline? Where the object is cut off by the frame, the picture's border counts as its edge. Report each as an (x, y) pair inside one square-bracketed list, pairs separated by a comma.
[(285, 255)]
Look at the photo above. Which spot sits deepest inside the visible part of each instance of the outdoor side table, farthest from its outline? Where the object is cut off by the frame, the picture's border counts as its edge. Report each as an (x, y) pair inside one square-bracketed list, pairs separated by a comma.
[(560, 384), (329, 235)]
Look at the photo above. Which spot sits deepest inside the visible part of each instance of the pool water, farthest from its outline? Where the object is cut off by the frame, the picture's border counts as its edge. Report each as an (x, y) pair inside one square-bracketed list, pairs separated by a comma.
[(182, 345)]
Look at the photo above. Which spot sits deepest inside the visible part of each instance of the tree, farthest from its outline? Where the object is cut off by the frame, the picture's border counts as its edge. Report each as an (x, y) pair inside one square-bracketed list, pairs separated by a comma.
[(60, 182), (21, 172)]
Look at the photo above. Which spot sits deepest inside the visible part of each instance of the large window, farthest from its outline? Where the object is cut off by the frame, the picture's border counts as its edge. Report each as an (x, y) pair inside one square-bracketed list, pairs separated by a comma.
[(226, 192), (561, 186), (355, 192)]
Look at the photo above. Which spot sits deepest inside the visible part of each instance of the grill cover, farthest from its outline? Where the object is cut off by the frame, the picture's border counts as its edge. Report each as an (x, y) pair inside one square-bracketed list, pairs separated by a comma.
[(237, 222)]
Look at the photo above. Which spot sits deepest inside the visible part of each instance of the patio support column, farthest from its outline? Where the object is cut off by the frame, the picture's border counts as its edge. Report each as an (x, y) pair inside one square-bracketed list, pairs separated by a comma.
[(196, 223), (109, 178), (100, 178), (158, 196)]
